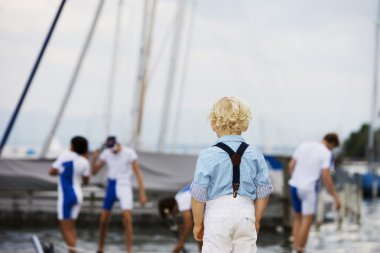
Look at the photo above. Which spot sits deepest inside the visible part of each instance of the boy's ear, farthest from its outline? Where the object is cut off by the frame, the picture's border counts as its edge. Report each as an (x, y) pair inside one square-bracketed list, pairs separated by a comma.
[(213, 127)]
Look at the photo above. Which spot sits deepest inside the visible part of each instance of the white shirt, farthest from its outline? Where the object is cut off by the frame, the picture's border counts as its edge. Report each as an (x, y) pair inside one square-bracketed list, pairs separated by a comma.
[(120, 164), (183, 198), (311, 158), (80, 168)]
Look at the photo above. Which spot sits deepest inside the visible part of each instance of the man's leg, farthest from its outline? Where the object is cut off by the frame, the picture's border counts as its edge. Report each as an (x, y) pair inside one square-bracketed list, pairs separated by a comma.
[(108, 202), (303, 232), (69, 233), (297, 218), (309, 206), (200, 246), (104, 217), (127, 219)]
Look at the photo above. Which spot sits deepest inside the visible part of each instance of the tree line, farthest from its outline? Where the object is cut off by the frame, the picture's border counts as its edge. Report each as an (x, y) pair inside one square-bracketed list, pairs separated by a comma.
[(355, 146)]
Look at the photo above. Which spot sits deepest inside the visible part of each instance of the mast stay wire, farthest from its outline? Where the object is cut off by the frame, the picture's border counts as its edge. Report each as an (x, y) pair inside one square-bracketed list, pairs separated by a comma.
[(212, 39), (232, 67), (283, 96), (111, 84), (171, 75), (135, 105), (73, 80), (31, 77), (145, 80), (164, 45), (142, 77), (153, 66), (184, 70)]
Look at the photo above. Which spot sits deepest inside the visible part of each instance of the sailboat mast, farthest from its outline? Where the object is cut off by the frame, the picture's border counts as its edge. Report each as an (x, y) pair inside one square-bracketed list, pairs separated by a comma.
[(171, 75), (73, 80), (142, 78), (110, 88), (136, 103), (31, 77), (182, 83), (371, 152)]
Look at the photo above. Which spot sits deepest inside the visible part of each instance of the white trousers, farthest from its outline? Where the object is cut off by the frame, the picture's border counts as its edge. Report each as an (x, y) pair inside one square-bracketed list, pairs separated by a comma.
[(229, 226)]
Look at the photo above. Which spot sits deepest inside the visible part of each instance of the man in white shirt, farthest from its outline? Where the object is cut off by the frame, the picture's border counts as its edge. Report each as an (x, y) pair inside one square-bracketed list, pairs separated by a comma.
[(181, 203), (121, 161), (73, 168), (310, 162)]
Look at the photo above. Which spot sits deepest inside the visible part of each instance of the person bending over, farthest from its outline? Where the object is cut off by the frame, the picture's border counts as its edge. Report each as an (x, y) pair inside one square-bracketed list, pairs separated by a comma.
[(310, 162), (170, 207)]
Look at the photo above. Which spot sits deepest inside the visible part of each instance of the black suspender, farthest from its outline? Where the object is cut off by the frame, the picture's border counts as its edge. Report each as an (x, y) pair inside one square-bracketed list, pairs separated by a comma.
[(235, 159)]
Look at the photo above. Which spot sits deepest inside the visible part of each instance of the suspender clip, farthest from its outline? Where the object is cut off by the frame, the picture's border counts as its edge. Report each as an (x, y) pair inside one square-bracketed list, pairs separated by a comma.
[(235, 188)]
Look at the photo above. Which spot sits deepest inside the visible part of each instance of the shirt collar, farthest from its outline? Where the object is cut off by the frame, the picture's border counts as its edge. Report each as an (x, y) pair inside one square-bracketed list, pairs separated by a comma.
[(225, 138)]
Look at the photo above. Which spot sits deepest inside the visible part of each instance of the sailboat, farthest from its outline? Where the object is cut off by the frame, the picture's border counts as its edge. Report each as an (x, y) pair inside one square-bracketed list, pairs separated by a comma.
[(368, 171)]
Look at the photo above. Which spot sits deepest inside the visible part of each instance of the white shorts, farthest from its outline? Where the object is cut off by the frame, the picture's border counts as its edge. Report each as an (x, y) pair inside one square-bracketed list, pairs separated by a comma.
[(118, 192), (304, 200), (229, 226)]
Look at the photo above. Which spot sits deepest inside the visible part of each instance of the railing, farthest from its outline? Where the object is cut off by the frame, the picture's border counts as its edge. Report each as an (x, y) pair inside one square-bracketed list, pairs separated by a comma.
[(349, 189)]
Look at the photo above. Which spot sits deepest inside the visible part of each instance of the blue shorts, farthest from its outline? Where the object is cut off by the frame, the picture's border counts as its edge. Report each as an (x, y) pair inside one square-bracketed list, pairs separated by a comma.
[(304, 200), (118, 192)]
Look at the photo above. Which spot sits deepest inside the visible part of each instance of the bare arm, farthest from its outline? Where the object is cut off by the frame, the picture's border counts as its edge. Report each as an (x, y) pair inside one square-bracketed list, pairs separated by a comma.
[(187, 227), (260, 205), (140, 182), (291, 166), (53, 171), (96, 165), (198, 216), (327, 180)]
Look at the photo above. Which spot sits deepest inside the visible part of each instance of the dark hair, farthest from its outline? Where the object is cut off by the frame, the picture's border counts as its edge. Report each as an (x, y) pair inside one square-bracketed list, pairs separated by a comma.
[(332, 138), (166, 203), (79, 145), (110, 142)]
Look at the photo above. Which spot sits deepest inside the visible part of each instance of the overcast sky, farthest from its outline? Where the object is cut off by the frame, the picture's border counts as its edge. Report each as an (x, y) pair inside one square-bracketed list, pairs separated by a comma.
[(305, 68)]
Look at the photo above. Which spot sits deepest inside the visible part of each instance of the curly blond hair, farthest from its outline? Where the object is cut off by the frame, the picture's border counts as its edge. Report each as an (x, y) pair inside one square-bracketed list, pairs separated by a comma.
[(230, 115)]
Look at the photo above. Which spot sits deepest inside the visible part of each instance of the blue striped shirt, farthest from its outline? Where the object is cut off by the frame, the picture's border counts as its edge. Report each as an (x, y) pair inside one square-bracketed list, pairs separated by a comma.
[(213, 173)]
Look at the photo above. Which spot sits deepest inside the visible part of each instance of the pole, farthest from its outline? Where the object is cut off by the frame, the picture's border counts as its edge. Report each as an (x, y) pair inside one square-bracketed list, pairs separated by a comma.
[(73, 80), (184, 76), (31, 77), (136, 103), (143, 74), (371, 136), (171, 76), (110, 90)]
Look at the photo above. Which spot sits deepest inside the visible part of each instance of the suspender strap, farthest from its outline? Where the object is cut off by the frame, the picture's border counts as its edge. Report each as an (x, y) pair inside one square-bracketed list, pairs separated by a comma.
[(236, 160)]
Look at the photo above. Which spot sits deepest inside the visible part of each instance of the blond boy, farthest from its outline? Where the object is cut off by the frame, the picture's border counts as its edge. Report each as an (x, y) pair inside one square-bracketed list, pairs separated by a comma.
[(231, 185)]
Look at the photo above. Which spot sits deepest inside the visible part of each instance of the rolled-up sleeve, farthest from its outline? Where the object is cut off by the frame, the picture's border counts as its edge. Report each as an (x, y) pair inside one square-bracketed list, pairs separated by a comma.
[(199, 186), (262, 181)]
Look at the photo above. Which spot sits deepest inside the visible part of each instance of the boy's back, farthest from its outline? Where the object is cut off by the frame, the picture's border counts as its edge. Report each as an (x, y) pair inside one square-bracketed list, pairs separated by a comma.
[(233, 180), (217, 164)]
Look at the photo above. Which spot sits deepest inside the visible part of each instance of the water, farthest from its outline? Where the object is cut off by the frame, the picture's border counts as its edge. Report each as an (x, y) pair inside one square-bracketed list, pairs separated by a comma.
[(352, 238)]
